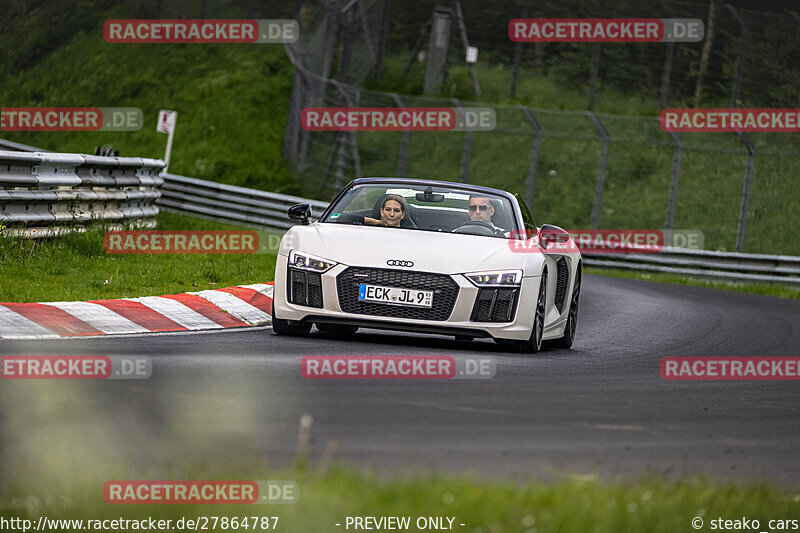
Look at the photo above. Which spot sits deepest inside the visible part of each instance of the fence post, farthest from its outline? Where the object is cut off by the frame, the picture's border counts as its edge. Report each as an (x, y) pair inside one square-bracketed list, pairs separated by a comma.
[(795, 15), (347, 46), (436, 67), (365, 28), (304, 135), (330, 38), (466, 151), (418, 45), (601, 170), (351, 135), (743, 34), (517, 55), (595, 64), (537, 137), (673, 182), (291, 131), (465, 42), (748, 179), (403, 156), (668, 58), (376, 73)]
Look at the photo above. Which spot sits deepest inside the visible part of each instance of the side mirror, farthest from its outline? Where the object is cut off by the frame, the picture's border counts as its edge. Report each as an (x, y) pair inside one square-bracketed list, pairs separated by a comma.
[(300, 213), (549, 234)]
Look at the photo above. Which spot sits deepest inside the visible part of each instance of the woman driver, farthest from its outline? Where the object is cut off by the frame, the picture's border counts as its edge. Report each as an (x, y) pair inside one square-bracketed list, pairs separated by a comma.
[(393, 211)]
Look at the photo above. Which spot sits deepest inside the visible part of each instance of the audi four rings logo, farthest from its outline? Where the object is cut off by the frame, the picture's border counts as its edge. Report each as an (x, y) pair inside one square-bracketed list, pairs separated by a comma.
[(398, 263)]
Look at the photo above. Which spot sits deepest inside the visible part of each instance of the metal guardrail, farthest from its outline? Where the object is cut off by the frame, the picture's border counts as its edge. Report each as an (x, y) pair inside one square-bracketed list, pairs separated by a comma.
[(19, 147), (131, 180), (725, 266), (45, 193), (229, 203), (226, 203)]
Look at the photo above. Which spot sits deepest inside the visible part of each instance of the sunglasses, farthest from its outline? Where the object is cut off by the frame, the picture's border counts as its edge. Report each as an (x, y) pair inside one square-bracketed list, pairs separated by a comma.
[(479, 207)]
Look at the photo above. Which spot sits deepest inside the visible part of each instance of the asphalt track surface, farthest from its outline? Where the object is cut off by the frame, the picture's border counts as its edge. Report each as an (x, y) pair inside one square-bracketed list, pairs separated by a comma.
[(600, 409)]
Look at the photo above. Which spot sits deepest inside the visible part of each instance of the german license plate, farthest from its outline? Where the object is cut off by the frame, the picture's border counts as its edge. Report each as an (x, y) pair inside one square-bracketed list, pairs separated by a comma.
[(394, 295)]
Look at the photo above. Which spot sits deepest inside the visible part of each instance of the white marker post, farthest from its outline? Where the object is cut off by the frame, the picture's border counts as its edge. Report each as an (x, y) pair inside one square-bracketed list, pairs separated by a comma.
[(166, 124)]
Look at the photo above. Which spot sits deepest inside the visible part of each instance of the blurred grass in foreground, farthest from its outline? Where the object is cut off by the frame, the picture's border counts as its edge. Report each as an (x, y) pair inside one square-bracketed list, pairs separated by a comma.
[(580, 504)]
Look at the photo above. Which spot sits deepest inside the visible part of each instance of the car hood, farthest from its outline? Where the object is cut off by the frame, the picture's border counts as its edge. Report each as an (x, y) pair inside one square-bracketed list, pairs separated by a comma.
[(372, 246)]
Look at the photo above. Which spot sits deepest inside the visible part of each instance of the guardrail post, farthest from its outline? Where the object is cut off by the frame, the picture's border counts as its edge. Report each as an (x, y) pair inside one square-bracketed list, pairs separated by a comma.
[(537, 138), (601, 169), (466, 150), (403, 155), (673, 182), (743, 34), (748, 179)]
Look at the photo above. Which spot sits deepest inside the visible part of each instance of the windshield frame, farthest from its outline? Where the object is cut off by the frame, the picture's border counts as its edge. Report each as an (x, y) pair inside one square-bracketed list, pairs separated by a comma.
[(415, 182)]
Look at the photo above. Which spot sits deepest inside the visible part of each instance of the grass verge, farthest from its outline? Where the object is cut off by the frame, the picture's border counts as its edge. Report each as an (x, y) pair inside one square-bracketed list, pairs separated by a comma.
[(767, 289), (579, 505), (77, 267)]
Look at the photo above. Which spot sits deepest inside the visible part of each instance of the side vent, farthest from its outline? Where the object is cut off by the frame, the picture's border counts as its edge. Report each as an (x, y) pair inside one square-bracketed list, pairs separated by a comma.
[(562, 273)]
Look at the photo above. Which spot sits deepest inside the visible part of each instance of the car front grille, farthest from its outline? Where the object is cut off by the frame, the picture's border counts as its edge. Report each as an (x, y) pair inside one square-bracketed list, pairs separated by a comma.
[(445, 292), (304, 288), (494, 305), (562, 282)]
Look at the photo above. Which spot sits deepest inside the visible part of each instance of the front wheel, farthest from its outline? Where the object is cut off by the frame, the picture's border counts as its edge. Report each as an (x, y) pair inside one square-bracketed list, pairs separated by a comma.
[(572, 319), (534, 343), (284, 327)]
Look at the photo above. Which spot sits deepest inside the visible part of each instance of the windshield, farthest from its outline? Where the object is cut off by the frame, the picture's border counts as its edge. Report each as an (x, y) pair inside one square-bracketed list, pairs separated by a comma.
[(425, 208)]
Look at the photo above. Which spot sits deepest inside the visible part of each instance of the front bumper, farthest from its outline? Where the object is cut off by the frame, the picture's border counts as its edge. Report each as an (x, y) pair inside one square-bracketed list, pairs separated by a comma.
[(457, 323)]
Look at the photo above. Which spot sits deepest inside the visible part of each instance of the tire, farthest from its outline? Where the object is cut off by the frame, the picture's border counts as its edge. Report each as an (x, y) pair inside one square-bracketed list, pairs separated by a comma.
[(337, 329), (283, 327), (572, 319), (534, 343)]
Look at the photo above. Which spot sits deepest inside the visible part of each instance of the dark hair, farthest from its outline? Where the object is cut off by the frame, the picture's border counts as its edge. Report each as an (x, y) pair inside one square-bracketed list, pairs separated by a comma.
[(397, 198)]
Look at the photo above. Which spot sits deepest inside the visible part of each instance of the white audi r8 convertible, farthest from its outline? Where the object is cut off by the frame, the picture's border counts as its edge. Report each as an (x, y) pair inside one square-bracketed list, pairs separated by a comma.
[(428, 256)]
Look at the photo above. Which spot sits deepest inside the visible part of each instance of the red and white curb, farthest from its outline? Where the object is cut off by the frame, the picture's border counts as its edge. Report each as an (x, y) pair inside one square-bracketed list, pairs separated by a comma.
[(231, 307)]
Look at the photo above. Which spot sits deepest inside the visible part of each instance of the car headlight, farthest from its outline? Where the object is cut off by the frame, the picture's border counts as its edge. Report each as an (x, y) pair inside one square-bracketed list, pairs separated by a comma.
[(496, 278), (306, 261)]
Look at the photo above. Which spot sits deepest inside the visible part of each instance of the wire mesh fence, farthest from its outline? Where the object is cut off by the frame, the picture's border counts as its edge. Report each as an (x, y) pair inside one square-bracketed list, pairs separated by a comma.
[(575, 168)]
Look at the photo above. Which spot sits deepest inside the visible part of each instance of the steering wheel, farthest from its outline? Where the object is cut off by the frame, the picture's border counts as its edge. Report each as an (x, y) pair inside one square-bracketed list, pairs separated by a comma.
[(476, 227)]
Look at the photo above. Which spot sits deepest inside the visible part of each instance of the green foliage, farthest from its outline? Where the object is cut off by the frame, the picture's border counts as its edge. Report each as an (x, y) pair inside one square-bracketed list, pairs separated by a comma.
[(77, 267)]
